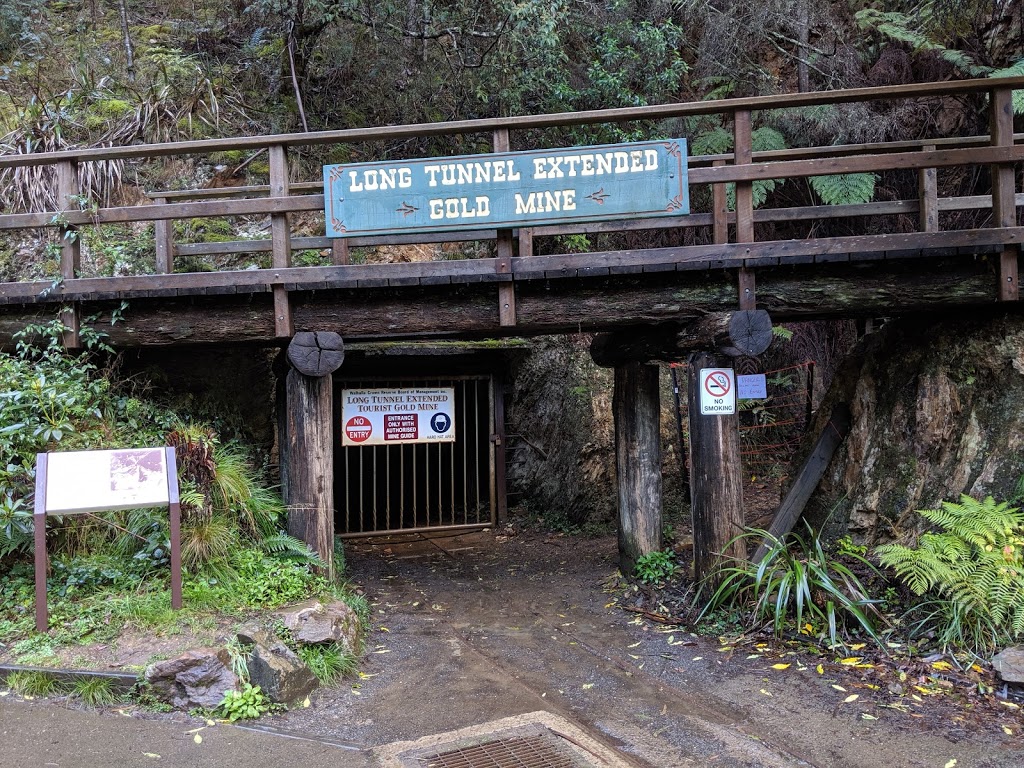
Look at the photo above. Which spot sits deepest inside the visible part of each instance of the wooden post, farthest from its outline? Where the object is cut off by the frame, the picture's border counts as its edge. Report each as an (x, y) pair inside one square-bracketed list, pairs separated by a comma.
[(1004, 205), (635, 408), (720, 210), (928, 195), (163, 234), (507, 289), (742, 155), (70, 248), (280, 236), (500, 455), (716, 480), (307, 453)]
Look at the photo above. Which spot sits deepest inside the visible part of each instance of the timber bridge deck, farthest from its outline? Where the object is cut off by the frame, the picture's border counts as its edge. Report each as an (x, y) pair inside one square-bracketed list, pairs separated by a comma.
[(731, 263)]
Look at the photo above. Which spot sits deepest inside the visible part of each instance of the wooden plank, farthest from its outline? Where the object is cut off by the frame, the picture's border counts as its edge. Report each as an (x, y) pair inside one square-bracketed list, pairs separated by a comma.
[(1004, 210), (807, 479), (719, 210), (280, 237), (70, 247), (636, 411), (503, 250), (940, 158), (339, 251), (928, 196), (163, 237), (484, 125)]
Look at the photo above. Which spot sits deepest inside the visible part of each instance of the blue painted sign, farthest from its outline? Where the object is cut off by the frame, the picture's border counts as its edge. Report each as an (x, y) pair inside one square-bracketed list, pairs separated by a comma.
[(508, 189)]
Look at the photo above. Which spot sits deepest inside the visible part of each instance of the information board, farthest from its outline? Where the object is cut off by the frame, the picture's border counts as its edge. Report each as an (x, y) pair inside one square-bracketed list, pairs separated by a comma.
[(397, 416), (97, 481), (508, 189)]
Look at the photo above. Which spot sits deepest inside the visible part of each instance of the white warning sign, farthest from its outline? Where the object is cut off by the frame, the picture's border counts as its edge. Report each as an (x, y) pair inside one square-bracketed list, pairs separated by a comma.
[(397, 416), (717, 391)]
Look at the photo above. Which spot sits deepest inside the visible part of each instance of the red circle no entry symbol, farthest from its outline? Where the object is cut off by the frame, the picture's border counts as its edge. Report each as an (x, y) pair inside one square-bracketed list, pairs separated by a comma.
[(716, 383), (358, 429)]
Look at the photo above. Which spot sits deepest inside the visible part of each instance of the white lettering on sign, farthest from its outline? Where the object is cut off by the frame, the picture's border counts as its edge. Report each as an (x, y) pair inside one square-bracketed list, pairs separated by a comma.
[(373, 179), (547, 201), (395, 416), (460, 207), (452, 174)]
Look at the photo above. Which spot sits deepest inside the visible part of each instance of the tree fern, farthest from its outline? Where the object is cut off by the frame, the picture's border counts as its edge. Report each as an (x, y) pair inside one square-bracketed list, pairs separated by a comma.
[(1014, 70), (291, 548), (973, 569), (845, 188)]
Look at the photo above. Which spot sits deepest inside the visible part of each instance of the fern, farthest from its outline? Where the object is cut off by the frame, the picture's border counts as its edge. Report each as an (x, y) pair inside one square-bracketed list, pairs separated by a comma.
[(1014, 70), (290, 548), (973, 569), (845, 188)]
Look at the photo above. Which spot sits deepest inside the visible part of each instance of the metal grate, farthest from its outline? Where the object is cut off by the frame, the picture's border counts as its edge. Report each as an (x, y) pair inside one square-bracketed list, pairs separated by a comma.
[(421, 487), (525, 752)]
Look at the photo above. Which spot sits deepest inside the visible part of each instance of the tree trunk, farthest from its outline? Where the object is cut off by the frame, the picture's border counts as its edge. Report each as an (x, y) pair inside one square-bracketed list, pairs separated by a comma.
[(635, 406), (308, 460), (716, 480)]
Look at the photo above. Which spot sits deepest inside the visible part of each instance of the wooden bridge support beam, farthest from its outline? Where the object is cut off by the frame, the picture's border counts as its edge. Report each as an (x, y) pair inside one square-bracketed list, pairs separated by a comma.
[(307, 461), (636, 411), (280, 235), (1004, 205), (716, 480), (503, 251), (70, 247), (743, 155)]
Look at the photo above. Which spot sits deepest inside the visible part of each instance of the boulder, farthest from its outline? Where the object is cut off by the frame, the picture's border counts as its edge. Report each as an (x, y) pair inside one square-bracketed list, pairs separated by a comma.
[(312, 622), (280, 673), (253, 633), (1009, 663), (197, 678)]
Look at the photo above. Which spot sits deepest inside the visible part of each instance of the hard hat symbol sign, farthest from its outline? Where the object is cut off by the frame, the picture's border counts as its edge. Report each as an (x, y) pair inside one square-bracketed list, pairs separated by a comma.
[(440, 423), (717, 383)]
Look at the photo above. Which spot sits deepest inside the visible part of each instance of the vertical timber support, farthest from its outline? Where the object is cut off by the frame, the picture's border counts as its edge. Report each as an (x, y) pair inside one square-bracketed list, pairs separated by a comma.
[(720, 210), (500, 455), (928, 195), (716, 480), (280, 236), (506, 288), (635, 407), (308, 462), (743, 155), (163, 235), (70, 248), (1004, 206)]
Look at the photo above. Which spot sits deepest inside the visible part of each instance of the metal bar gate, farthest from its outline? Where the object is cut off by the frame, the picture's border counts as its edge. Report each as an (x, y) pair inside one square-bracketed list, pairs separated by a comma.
[(410, 488)]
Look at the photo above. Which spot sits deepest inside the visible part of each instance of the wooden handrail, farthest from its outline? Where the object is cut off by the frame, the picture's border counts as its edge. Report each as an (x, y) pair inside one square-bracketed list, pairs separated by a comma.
[(488, 125)]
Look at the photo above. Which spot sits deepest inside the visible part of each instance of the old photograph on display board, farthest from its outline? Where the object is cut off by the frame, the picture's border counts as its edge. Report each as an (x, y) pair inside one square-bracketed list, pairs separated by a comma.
[(93, 481)]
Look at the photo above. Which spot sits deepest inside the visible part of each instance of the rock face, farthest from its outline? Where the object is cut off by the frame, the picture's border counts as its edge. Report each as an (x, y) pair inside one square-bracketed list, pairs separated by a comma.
[(313, 622), (1009, 663), (935, 413), (197, 678), (280, 673)]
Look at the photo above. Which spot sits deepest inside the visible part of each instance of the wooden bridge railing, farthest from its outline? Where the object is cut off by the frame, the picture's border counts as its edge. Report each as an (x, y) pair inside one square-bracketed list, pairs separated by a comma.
[(732, 232)]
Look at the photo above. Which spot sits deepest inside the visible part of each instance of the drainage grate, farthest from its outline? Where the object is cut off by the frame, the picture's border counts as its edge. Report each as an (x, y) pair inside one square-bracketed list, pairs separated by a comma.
[(539, 751)]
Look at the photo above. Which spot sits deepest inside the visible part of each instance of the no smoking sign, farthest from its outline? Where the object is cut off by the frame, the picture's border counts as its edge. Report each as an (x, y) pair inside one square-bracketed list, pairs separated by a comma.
[(717, 391)]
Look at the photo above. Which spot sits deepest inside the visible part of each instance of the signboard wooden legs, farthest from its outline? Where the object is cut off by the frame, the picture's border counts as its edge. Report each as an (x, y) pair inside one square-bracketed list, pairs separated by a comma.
[(635, 405), (716, 481)]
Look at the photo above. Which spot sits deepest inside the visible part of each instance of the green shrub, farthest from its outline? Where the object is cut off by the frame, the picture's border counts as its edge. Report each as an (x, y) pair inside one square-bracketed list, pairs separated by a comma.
[(656, 566), (797, 584), (972, 572), (246, 704)]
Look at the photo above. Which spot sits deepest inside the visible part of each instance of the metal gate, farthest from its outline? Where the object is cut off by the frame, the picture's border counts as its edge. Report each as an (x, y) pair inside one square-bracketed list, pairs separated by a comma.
[(417, 487)]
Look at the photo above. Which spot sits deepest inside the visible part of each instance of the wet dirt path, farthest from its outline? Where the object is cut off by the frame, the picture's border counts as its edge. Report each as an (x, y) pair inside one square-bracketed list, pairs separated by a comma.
[(469, 630)]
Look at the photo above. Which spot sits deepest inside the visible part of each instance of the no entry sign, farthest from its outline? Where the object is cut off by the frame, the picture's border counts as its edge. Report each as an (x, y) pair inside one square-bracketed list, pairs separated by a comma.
[(397, 416), (717, 391)]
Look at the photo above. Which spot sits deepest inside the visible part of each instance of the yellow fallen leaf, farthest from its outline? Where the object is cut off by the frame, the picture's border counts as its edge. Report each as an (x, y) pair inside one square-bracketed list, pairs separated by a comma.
[(976, 668), (851, 697), (210, 722), (915, 697), (780, 666), (754, 656), (634, 645), (1010, 704), (839, 688), (766, 693), (587, 686), (821, 670), (365, 676), (697, 658), (1007, 730), (305, 702), (197, 739), (950, 764), (866, 716), (153, 755), (857, 646), (850, 660), (942, 666), (725, 648)]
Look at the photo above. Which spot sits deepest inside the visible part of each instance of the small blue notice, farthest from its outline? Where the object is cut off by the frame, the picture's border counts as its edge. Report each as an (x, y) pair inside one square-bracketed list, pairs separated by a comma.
[(752, 387)]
